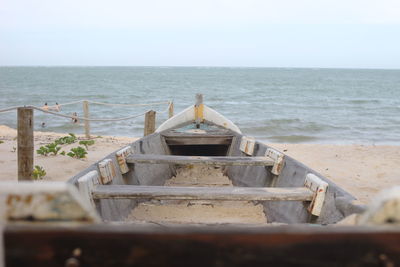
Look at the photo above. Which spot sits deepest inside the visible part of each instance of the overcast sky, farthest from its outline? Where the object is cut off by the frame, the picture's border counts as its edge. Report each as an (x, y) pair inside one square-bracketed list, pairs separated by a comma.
[(259, 33)]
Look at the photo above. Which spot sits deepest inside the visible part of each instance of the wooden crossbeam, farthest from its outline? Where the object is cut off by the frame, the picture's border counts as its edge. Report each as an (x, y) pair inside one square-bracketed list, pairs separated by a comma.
[(203, 193), (168, 159)]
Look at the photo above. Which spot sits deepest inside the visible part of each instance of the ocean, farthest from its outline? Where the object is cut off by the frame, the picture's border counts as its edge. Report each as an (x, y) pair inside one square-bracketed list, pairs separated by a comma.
[(283, 105)]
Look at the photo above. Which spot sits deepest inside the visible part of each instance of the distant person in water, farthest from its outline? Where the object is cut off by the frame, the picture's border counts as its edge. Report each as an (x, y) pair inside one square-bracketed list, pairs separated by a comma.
[(57, 107), (43, 124), (45, 107), (75, 117)]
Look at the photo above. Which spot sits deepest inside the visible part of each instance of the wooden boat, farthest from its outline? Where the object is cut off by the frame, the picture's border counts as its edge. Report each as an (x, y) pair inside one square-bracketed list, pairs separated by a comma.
[(302, 207)]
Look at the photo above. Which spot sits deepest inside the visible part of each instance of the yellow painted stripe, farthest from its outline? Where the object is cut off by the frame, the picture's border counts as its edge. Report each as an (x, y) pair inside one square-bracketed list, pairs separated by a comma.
[(199, 112)]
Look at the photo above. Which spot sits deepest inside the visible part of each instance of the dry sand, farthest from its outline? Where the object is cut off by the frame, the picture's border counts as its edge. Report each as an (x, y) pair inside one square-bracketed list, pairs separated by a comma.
[(209, 212), (58, 168), (361, 170)]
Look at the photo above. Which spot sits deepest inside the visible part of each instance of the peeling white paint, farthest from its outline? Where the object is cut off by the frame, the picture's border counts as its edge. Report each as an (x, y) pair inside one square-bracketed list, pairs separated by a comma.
[(247, 145), (188, 116), (319, 187), (44, 201), (278, 157), (121, 158), (107, 171), (86, 185)]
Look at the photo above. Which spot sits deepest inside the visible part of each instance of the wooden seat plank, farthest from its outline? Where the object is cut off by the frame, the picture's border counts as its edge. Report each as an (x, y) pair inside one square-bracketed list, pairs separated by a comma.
[(227, 161), (203, 193)]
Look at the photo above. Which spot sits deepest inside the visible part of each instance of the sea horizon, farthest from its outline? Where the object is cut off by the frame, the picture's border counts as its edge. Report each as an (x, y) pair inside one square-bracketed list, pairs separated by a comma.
[(192, 66), (273, 104)]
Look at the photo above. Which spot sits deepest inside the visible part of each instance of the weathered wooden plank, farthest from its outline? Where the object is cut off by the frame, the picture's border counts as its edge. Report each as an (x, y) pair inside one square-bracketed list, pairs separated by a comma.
[(199, 140), (86, 114), (227, 161), (43, 202), (149, 122), (124, 245), (25, 143), (203, 193)]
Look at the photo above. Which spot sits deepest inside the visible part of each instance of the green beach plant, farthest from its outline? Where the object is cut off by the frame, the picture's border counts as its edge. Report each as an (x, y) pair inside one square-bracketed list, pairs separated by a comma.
[(38, 172), (77, 152), (87, 143), (1, 141), (49, 148), (43, 151), (69, 139), (53, 148)]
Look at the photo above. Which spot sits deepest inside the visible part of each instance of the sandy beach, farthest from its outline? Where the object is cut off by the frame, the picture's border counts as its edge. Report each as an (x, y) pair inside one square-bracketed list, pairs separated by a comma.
[(361, 170), (58, 168)]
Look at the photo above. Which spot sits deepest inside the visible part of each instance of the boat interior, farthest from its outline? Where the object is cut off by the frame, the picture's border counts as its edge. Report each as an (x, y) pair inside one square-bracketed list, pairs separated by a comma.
[(139, 179)]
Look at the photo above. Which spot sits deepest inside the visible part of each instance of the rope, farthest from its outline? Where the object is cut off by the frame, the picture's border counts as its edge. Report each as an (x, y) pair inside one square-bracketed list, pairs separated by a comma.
[(98, 103), (165, 110), (129, 105), (9, 109), (88, 119), (69, 103)]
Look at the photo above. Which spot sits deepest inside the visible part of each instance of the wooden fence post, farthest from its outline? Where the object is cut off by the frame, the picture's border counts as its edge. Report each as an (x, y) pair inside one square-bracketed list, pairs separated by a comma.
[(25, 143), (171, 109), (149, 122), (86, 115)]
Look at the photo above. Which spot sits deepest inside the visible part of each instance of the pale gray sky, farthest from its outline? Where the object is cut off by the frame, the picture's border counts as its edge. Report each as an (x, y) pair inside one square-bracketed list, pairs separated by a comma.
[(284, 33)]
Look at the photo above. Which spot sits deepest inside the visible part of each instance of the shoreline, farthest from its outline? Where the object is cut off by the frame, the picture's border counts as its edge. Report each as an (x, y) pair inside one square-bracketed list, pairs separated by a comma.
[(361, 170)]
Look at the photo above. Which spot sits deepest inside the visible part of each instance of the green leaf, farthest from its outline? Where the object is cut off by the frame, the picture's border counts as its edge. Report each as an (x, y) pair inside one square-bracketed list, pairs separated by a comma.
[(38, 172), (86, 143)]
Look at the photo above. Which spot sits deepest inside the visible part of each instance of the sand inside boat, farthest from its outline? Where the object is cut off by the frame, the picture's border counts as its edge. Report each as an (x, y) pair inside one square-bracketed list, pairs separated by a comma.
[(208, 212)]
